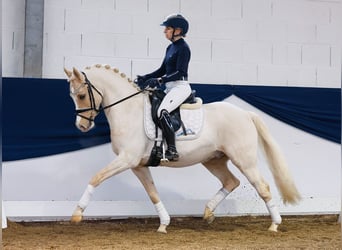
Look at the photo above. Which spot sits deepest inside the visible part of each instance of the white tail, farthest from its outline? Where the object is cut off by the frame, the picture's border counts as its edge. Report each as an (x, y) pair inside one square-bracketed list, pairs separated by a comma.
[(276, 163)]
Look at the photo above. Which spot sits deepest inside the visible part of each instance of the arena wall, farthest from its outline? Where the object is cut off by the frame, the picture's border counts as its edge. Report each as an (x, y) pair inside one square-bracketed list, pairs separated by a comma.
[(49, 187), (265, 42), (242, 42)]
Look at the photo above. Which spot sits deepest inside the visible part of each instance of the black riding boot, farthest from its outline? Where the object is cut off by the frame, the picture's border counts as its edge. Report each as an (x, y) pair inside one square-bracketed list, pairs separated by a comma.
[(165, 123)]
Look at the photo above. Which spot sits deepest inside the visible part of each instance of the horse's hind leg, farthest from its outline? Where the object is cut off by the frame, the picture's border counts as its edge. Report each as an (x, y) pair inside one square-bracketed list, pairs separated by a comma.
[(253, 175), (145, 177), (219, 168)]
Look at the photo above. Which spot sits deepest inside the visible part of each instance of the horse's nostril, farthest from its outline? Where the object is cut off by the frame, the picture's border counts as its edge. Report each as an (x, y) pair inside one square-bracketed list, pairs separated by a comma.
[(84, 128)]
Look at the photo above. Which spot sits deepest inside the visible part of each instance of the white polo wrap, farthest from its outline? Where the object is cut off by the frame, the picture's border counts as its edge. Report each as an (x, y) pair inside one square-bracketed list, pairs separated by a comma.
[(84, 201), (273, 210), (216, 200), (163, 214)]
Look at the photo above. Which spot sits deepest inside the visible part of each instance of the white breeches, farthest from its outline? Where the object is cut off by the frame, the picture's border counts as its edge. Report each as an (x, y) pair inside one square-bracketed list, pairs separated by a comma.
[(176, 94)]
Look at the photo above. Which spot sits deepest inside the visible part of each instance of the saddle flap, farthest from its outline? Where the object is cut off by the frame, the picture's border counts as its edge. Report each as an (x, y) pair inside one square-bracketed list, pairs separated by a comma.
[(192, 119)]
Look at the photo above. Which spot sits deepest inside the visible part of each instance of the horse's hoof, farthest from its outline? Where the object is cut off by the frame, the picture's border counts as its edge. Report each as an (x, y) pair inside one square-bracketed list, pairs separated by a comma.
[(76, 219), (162, 229), (273, 227), (77, 216), (210, 219), (208, 216)]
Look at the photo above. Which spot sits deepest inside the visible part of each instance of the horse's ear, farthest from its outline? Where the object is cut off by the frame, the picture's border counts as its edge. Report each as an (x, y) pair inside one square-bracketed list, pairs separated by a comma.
[(77, 74), (68, 72)]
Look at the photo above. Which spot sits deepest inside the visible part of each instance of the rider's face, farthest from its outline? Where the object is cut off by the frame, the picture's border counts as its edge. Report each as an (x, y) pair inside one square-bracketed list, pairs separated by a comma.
[(168, 31)]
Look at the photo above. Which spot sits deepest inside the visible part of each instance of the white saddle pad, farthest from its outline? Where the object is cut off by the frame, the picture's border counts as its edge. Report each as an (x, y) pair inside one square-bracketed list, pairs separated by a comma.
[(192, 117)]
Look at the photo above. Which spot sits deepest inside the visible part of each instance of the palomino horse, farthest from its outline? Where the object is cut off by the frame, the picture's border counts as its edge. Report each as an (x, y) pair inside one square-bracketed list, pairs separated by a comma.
[(228, 133)]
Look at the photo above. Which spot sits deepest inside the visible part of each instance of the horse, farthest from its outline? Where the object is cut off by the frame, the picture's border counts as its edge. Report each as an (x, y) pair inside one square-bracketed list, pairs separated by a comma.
[(228, 133)]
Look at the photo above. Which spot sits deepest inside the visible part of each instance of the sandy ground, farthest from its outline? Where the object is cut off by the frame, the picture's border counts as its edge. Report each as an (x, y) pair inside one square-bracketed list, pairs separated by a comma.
[(296, 232)]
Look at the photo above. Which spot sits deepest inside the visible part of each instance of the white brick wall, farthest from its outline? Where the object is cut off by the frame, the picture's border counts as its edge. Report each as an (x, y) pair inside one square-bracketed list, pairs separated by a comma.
[(256, 10), (264, 42), (13, 33), (231, 9), (316, 55), (227, 51), (303, 11), (163, 7)]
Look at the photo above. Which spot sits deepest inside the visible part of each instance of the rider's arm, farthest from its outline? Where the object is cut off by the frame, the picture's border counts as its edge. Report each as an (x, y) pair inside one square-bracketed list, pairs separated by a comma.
[(157, 73), (181, 67)]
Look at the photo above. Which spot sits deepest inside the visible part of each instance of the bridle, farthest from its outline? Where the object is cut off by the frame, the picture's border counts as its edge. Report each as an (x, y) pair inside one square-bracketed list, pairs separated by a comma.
[(90, 88)]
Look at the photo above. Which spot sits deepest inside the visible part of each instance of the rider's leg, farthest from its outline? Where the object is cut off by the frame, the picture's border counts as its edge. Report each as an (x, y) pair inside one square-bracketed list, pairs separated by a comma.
[(176, 93), (169, 134)]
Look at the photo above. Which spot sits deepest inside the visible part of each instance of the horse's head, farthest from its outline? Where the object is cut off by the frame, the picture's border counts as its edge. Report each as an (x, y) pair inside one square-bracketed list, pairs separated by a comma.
[(87, 99)]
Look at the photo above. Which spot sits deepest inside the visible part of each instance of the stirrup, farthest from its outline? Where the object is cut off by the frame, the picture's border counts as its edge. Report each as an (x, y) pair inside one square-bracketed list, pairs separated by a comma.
[(172, 155)]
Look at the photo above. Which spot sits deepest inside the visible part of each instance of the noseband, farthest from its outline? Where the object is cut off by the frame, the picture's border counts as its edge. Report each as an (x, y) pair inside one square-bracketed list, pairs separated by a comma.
[(92, 107)]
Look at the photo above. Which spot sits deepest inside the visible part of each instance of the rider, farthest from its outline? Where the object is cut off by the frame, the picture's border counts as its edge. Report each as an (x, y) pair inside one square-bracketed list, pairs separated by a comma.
[(174, 74)]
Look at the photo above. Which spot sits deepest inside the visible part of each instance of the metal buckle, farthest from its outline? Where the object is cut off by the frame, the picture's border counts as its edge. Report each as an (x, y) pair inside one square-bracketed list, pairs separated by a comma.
[(164, 159)]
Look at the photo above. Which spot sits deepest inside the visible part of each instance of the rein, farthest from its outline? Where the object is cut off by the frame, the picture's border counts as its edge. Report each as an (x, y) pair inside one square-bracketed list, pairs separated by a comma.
[(123, 99), (90, 86)]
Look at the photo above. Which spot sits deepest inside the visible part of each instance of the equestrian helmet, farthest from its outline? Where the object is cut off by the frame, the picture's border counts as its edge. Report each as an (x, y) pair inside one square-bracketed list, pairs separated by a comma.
[(176, 21)]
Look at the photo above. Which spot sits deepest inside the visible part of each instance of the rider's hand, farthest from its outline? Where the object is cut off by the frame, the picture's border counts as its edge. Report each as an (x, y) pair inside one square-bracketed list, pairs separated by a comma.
[(140, 81), (154, 82)]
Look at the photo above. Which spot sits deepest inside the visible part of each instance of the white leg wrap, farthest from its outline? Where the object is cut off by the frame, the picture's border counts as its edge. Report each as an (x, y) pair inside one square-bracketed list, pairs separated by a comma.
[(216, 200), (84, 201), (163, 214), (273, 210)]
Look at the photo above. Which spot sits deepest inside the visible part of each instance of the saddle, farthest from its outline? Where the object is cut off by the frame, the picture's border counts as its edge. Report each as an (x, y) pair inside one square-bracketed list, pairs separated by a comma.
[(156, 97)]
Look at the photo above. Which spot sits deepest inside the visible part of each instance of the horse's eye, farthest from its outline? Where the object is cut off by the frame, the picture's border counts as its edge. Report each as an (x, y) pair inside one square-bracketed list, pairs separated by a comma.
[(81, 97)]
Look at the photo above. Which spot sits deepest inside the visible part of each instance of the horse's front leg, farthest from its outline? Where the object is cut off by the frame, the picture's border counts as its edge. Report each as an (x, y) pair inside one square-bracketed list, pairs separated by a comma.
[(120, 164), (145, 177)]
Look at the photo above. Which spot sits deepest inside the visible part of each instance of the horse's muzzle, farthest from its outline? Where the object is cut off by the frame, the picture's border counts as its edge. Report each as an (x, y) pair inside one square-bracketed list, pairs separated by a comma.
[(84, 124)]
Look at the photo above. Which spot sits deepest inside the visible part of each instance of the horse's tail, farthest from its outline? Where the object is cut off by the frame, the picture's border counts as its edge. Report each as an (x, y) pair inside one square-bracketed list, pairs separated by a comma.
[(276, 162)]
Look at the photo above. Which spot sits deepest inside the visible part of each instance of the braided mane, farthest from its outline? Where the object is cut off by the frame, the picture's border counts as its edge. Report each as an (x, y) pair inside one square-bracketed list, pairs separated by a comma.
[(115, 70)]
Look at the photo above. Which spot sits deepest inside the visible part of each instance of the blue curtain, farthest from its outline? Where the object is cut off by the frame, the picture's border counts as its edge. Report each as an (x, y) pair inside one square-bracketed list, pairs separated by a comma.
[(38, 114), (314, 110), (39, 120)]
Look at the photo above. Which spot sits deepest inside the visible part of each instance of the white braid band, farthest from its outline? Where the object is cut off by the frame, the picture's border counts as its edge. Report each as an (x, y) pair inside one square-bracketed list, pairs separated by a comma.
[(273, 210), (163, 214), (216, 200), (84, 201)]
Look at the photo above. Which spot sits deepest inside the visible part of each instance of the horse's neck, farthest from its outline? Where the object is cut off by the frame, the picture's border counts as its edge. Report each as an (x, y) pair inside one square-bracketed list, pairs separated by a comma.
[(126, 114), (112, 94), (125, 119), (112, 85)]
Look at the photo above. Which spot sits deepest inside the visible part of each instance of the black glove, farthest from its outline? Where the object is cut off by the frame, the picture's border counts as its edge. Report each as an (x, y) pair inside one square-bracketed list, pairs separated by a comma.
[(153, 82), (141, 81)]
